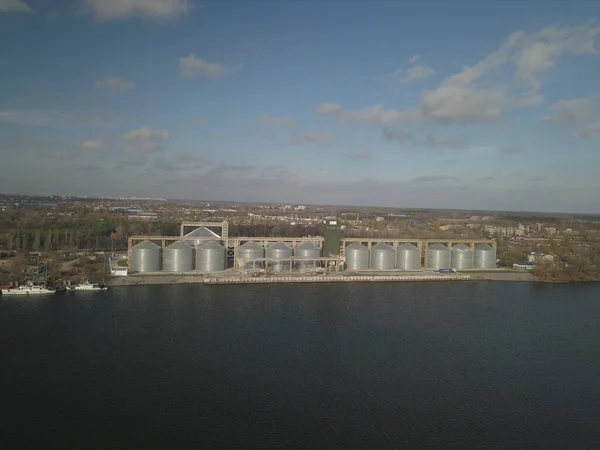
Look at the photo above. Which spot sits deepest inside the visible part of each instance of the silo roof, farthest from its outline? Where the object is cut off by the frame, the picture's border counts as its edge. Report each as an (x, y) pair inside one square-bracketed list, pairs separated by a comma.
[(461, 246), (307, 245), (407, 246), (202, 232), (251, 244), (179, 244), (211, 244), (356, 245), (438, 246), (280, 246), (146, 245)]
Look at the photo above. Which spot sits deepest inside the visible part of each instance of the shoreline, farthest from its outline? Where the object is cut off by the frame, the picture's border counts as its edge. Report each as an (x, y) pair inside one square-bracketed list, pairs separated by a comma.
[(234, 277)]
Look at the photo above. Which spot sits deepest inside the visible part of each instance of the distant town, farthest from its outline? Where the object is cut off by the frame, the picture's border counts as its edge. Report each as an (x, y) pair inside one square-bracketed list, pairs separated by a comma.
[(69, 238)]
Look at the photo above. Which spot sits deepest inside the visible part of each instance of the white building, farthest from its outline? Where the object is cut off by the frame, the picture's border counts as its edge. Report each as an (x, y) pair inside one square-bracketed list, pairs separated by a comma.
[(537, 257)]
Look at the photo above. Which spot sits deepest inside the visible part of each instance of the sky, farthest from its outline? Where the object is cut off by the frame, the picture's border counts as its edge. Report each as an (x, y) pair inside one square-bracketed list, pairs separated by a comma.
[(429, 104)]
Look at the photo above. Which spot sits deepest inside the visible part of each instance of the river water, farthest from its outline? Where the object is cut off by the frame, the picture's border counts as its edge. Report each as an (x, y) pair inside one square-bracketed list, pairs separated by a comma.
[(390, 365)]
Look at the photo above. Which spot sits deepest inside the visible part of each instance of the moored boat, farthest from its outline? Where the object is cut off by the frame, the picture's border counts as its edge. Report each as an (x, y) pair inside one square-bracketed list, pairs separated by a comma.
[(28, 289), (85, 285)]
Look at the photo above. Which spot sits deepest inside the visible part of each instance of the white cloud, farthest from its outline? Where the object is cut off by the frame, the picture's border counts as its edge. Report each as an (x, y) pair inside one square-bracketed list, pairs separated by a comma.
[(592, 130), (147, 133), (32, 117), (437, 142), (114, 84), (458, 104), (394, 134), (459, 100), (267, 119), (374, 115), (529, 99), (193, 66), (320, 138), (105, 10), (541, 50), (14, 6), (326, 109), (413, 73), (571, 112), (93, 144)]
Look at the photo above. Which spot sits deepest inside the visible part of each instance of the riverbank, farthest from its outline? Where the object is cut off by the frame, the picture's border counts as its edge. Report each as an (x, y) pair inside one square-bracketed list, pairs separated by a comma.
[(232, 276)]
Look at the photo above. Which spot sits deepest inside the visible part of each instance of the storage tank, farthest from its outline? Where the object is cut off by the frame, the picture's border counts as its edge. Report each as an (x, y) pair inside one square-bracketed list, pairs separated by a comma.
[(438, 257), (210, 257), (146, 257), (251, 250), (357, 257), (307, 250), (383, 257), (484, 257), (408, 257), (462, 257), (179, 257), (279, 251)]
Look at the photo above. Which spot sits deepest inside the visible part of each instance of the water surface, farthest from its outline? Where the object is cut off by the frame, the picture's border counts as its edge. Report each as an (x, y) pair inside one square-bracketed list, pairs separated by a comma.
[(439, 365)]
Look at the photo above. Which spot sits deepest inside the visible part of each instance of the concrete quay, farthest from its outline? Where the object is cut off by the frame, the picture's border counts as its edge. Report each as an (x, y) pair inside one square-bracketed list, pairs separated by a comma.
[(214, 280)]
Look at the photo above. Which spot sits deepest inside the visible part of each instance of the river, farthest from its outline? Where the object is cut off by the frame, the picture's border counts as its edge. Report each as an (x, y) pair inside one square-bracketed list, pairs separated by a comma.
[(438, 365)]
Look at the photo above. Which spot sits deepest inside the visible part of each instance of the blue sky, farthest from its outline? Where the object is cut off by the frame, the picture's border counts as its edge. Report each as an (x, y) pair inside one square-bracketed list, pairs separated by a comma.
[(462, 104)]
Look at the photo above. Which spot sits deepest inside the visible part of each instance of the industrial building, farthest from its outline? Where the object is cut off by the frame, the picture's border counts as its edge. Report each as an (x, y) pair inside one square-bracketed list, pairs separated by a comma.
[(203, 251)]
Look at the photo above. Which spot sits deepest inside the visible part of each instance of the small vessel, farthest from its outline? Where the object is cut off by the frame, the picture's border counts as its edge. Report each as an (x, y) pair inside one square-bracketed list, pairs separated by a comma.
[(85, 285), (28, 289)]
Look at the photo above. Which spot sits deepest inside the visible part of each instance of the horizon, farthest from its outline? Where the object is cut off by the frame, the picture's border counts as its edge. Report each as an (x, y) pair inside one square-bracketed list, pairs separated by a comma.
[(478, 107), (319, 205)]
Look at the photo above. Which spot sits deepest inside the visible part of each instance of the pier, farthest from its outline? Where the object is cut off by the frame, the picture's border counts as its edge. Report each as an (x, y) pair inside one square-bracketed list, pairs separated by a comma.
[(332, 279)]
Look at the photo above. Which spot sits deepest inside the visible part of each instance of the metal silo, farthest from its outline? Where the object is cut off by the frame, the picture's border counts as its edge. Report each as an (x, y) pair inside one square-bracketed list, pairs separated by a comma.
[(383, 257), (307, 250), (146, 257), (280, 252), (179, 257), (408, 257), (462, 257), (210, 257), (251, 250), (438, 257), (485, 257), (357, 257)]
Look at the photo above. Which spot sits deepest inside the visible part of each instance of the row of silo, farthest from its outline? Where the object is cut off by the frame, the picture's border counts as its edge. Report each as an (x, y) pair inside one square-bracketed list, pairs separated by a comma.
[(408, 257), (178, 257), (279, 256), (211, 257), (382, 257), (461, 257)]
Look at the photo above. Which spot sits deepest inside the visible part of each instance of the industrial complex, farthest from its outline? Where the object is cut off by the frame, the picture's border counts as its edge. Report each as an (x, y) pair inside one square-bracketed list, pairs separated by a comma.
[(199, 250)]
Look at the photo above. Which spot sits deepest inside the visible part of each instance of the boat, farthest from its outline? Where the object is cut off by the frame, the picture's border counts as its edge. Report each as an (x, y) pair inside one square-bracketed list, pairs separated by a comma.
[(85, 285), (28, 289)]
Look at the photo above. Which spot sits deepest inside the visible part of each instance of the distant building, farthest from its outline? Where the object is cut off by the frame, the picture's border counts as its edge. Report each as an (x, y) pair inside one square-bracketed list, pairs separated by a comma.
[(537, 257), (115, 269), (524, 265)]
